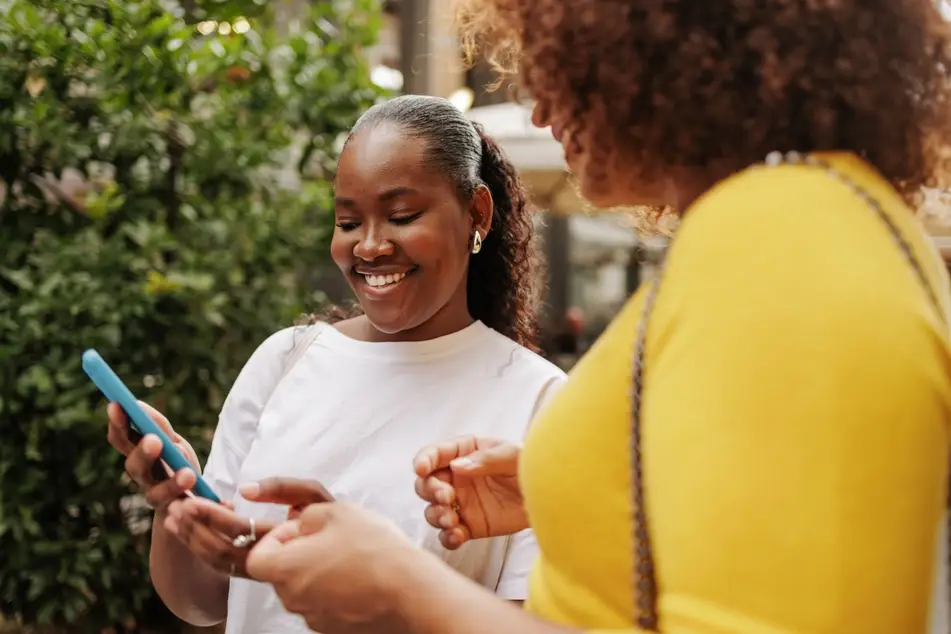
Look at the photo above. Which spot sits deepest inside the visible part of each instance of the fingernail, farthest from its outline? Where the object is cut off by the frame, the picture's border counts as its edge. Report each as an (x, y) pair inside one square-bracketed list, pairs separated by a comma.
[(445, 521), (181, 478), (462, 463), (443, 497), (250, 490)]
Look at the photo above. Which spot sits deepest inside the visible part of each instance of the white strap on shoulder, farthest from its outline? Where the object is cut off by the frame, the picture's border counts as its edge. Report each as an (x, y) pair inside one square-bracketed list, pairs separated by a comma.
[(296, 354), (300, 349)]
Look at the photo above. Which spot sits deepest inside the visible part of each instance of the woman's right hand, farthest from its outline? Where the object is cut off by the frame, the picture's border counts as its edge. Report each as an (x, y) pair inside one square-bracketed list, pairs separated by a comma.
[(471, 485), (142, 462)]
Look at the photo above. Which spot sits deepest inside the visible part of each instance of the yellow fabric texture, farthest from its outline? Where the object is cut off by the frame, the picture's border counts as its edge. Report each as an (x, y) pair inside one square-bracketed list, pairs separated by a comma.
[(795, 425)]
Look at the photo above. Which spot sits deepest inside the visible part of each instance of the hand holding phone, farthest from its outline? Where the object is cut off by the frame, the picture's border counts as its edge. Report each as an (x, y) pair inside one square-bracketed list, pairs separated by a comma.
[(116, 391)]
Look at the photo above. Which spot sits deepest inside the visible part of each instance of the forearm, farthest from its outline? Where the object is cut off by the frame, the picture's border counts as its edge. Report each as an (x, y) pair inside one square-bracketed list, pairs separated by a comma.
[(192, 590), (436, 600)]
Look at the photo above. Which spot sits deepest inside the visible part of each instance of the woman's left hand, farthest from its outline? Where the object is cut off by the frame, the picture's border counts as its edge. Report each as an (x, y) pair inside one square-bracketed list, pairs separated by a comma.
[(209, 529), (342, 568)]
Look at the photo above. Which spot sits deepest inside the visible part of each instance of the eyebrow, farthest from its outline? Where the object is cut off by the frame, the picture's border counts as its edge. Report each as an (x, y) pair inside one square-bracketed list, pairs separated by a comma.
[(386, 196)]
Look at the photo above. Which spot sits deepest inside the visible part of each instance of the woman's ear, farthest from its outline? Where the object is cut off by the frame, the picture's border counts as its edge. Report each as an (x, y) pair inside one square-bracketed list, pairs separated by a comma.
[(482, 209)]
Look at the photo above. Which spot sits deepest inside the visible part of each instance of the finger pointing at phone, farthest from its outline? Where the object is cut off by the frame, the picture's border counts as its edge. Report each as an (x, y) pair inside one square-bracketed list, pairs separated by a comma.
[(293, 492)]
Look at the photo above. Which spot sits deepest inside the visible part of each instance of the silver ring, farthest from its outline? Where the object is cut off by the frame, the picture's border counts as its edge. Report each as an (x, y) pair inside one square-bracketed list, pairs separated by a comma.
[(245, 541)]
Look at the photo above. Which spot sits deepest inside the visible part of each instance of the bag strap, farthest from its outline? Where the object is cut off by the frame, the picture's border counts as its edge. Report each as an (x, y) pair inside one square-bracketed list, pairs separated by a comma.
[(300, 348), (644, 575), (296, 353)]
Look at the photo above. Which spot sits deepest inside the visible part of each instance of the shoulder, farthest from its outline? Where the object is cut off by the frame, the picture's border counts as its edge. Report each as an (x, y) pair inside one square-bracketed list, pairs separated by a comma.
[(782, 204), (518, 381), (789, 263), (790, 234), (276, 345), (500, 348), (267, 361)]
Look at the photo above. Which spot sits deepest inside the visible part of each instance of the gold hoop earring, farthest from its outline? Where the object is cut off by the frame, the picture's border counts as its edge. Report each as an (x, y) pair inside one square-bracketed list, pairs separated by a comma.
[(476, 243)]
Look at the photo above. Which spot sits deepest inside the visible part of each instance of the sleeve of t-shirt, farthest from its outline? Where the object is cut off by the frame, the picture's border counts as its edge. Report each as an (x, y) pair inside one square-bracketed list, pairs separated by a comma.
[(238, 420), (519, 559), (523, 549), (547, 393)]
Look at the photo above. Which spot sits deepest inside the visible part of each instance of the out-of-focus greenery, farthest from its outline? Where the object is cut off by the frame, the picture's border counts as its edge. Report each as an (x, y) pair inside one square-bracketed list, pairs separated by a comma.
[(150, 207)]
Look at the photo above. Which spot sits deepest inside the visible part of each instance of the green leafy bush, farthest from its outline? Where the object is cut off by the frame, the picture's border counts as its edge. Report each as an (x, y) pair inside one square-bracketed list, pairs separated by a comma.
[(150, 207)]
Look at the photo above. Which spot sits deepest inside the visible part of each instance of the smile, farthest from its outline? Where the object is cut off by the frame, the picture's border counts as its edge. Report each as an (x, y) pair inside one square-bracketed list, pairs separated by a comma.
[(379, 281)]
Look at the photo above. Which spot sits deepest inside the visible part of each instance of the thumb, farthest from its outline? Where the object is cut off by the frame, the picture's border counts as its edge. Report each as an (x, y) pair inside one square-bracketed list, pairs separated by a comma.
[(290, 491), (499, 460), (266, 559)]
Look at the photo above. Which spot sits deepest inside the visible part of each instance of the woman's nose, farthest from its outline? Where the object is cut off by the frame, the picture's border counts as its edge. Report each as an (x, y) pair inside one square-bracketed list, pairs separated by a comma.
[(373, 245), (540, 116)]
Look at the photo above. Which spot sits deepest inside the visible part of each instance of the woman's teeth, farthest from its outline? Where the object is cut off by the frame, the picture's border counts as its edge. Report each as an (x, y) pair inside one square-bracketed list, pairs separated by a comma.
[(384, 280)]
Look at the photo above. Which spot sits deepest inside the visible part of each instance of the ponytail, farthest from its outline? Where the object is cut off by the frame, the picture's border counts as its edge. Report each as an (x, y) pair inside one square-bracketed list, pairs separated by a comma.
[(504, 276)]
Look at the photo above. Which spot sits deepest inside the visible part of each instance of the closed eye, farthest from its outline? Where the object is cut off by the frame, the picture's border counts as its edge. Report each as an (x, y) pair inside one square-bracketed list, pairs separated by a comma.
[(347, 226), (405, 220)]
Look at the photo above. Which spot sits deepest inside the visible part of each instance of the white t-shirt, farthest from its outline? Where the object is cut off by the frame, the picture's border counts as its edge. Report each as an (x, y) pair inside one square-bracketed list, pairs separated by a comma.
[(352, 414)]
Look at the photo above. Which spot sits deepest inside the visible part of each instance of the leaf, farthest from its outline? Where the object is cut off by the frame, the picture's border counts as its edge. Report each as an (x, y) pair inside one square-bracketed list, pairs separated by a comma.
[(20, 278)]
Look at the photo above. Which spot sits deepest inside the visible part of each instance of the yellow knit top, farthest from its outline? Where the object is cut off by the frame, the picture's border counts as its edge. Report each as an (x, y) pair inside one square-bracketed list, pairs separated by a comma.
[(795, 425)]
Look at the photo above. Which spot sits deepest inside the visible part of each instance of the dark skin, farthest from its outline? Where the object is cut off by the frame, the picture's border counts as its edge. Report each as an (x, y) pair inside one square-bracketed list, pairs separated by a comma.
[(471, 486), (192, 529), (318, 566), (394, 215)]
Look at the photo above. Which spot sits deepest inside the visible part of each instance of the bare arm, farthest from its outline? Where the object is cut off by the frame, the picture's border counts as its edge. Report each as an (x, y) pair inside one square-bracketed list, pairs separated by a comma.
[(462, 607), (192, 590)]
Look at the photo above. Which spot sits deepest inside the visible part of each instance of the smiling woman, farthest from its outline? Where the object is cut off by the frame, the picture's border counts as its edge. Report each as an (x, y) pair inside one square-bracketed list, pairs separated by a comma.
[(420, 191), (435, 237)]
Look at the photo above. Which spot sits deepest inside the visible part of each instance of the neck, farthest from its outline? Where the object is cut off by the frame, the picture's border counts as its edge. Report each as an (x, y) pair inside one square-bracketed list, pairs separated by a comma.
[(447, 320), (686, 185)]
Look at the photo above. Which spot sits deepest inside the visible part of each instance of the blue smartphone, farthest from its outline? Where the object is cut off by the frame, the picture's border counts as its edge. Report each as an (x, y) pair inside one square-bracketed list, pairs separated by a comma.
[(115, 390)]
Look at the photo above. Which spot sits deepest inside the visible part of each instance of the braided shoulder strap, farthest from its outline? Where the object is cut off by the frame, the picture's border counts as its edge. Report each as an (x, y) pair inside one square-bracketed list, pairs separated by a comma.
[(644, 584)]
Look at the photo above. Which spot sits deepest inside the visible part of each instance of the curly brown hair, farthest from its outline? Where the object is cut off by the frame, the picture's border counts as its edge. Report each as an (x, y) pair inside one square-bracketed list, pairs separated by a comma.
[(503, 282), (692, 83)]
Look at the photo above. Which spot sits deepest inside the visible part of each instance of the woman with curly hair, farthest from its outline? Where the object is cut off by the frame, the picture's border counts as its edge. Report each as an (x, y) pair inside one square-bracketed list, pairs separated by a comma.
[(759, 444), (434, 235)]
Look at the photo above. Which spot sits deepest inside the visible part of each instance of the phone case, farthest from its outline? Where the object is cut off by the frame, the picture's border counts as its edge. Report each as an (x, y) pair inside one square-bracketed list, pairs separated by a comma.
[(116, 391)]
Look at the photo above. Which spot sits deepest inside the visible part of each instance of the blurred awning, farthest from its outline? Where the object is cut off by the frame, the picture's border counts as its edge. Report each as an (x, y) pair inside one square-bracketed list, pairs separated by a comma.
[(935, 212), (944, 246), (529, 148), (606, 231)]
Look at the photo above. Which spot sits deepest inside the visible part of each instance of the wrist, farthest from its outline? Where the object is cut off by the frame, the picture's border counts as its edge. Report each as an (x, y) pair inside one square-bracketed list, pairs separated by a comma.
[(415, 585), (435, 599)]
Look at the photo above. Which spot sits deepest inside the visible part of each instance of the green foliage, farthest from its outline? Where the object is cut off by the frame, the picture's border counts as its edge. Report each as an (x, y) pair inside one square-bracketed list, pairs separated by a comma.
[(144, 212)]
